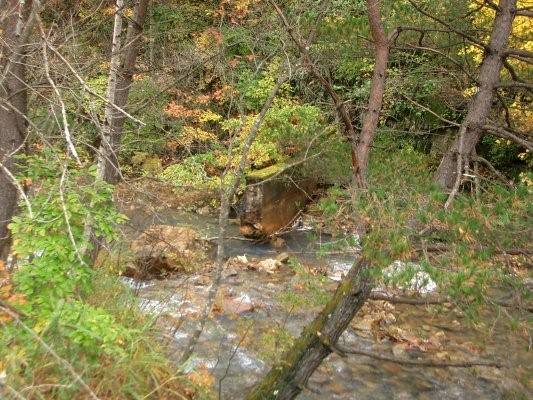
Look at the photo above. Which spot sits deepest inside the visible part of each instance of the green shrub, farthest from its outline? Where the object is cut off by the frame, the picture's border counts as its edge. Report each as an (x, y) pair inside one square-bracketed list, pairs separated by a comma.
[(84, 316)]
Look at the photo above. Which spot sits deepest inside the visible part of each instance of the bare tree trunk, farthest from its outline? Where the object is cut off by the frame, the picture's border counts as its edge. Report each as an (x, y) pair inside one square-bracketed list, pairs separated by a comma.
[(289, 377), (120, 78), (377, 87), (448, 173), (227, 192), (340, 107), (17, 19)]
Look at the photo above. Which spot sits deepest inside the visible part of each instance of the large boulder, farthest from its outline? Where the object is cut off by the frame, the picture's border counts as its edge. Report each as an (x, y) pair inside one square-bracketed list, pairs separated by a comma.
[(163, 249)]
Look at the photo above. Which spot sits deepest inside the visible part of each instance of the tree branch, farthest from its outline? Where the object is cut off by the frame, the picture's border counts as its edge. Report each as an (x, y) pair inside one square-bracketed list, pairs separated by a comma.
[(524, 13), (339, 105), (91, 91), (468, 37), (391, 298), (430, 111), (66, 129), (227, 192), (512, 72), (506, 134), (523, 85), (518, 53), (492, 169), (422, 363)]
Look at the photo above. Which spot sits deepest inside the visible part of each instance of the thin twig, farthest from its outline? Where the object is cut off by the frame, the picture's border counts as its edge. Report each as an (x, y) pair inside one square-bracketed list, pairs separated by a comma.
[(19, 187), (91, 91), (67, 219), (430, 111), (66, 129)]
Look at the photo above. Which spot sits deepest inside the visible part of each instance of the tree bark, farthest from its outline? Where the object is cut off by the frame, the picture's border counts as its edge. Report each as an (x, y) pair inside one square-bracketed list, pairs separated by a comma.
[(120, 79), (287, 378), (17, 21), (480, 105), (377, 88)]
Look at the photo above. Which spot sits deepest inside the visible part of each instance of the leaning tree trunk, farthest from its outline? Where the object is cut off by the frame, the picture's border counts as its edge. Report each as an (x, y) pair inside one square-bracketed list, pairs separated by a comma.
[(120, 79), (479, 108), (17, 20), (287, 378)]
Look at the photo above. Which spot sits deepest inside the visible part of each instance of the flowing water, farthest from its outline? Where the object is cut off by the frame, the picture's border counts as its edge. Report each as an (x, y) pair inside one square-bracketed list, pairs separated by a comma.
[(237, 347)]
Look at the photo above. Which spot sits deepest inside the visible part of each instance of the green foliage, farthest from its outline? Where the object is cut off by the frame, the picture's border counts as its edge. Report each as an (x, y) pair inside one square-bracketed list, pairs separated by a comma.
[(146, 102), (84, 315), (309, 289), (189, 173), (402, 204), (287, 130), (274, 343), (257, 88), (50, 244), (93, 329), (91, 104), (104, 336)]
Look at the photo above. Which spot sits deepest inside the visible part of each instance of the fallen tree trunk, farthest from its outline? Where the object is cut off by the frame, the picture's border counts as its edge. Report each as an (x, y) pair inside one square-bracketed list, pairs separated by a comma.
[(288, 377)]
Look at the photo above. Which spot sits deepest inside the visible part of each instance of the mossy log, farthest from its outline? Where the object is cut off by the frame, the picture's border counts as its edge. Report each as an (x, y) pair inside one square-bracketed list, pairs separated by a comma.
[(287, 378)]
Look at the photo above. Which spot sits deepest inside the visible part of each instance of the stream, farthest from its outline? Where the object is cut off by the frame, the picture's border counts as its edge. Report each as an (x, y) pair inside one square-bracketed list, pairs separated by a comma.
[(240, 341)]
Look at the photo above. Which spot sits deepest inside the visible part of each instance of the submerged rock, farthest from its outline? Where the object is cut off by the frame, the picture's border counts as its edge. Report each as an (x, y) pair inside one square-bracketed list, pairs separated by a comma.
[(238, 305), (411, 277), (163, 249)]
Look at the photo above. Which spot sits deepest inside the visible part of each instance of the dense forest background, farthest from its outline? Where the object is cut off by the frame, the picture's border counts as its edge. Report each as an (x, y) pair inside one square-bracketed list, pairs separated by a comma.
[(414, 118)]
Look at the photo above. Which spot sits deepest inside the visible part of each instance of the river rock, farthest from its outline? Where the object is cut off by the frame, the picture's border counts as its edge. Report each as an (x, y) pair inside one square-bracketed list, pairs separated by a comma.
[(269, 265), (238, 305), (163, 249), (283, 257)]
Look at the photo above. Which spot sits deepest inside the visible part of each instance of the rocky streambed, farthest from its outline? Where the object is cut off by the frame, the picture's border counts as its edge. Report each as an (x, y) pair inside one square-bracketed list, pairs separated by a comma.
[(265, 300)]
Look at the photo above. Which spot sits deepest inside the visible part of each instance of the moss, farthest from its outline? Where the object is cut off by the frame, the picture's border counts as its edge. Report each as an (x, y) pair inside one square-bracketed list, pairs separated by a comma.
[(264, 173)]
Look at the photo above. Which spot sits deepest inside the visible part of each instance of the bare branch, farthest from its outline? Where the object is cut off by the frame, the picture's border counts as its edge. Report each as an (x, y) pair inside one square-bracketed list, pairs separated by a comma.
[(506, 134), (339, 105), (66, 129), (22, 38), (518, 53), (404, 300), (322, 10), (468, 37), (492, 169), (491, 4), (434, 364), (430, 111), (91, 91), (19, 187), (449, 58), (510, 69), (227, 192), (67, 218), (523, 85), (525, 13)]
